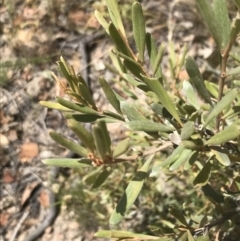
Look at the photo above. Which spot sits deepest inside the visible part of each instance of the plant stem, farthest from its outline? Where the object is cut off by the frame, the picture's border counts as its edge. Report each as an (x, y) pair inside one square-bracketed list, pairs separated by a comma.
[(225, 55)]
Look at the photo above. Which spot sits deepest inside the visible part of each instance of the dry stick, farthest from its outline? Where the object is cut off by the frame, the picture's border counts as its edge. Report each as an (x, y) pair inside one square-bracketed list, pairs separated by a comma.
[(17, 228), (229, 214), (225, 55)]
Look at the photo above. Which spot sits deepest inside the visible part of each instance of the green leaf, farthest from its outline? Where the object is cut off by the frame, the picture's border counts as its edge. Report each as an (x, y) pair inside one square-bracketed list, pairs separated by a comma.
[(119, 234), (130, 194), (83, 117), (235, 29), (130, 112), (187, 130), (134, 68), (91, 177), (138, 23), (54, 105), (117, 62), (113, 115), (221, 157), (106, 137), (149, 126), (160, 110), (178, 215), (77, 107), (153, 53), (84, 91), (120, 42), (190, 94), (211, 194), (102, 140), (196, 79), (229, 133), (190, 161), (156, 86), (84, 135), (222, 17), (173, 157), (121, 147), (114, 14), (182, 159), (235, 71), (210, 19), (203, 176), (102, 177), (70, 145), (221, 105), (102, 20), (190, 237), (157, 70), (110, 95), (64, 69), (68, 162), (212, 88)]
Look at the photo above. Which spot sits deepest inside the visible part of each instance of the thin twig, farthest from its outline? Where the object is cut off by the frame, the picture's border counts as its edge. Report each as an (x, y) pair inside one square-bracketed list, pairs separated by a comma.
[(225, 55), (21, 221)]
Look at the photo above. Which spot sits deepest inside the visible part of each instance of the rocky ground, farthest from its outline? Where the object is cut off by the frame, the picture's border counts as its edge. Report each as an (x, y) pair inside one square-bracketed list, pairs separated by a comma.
[(34, 33)]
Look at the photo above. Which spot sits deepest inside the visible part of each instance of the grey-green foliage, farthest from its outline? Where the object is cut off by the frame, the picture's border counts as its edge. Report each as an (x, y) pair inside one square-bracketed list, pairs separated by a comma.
[(201, 136)]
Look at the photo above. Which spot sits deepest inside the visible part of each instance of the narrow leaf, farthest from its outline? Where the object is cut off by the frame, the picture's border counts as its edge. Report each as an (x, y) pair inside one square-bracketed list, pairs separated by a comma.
[(187, 130), (223, 22), (221, 105), (178, 215), (91, 177), (210, 19), (110, 95), (77, 107), (235, 29), (190, 94), (134, 68), (212, 88), (152, 53), (115, 15), (121, 147), (221, 157), (235, 71), (149, 126), (83, 117), (84, 135), (156, 67), (211, 194), (130, 194), (203, 176), (138, 28), (229, 133), (196, 79), (120, 42), (119, 234), (99, 142), (190, 161), (156, 86), (68, 162), (70, 145), (54, 105), (130, 112), (106, 137), (101, 20), (181, 160), (173, 157), (102, 177)]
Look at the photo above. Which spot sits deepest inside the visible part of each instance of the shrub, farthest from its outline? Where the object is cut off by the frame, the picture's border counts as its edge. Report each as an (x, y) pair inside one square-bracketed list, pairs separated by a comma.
[(185, 138)]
